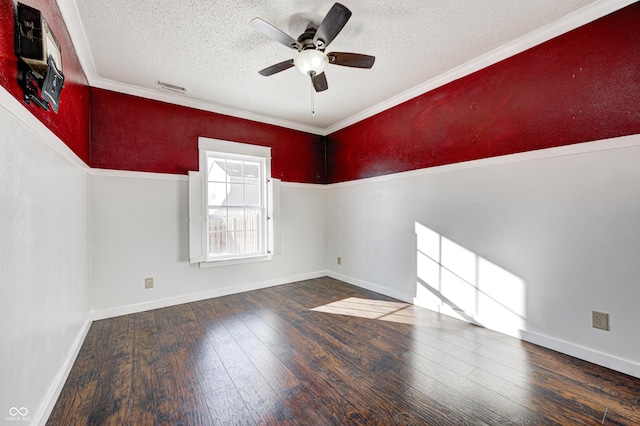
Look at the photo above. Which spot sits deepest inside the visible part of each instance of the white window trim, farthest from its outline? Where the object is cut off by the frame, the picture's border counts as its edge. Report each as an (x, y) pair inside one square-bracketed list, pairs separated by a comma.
[(198, 206)]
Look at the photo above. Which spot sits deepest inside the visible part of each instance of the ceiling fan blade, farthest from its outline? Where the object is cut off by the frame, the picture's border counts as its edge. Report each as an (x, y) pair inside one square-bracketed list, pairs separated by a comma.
[(274, 33), (355, 60), (273, 69), (331, 25), (320, 82)]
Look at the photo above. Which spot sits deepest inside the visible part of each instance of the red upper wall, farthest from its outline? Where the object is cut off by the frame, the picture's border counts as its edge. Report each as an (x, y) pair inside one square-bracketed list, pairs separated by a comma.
[(110, 130), (581, 86), (71, 123), (133, 133)]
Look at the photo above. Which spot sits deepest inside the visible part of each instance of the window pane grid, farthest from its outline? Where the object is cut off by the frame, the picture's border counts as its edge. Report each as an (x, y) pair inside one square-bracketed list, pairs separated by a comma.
[(238, 231), (236, 212)]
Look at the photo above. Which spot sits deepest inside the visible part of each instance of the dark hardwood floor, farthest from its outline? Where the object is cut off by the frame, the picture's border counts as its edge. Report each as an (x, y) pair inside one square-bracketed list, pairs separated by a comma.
[(322, 352)]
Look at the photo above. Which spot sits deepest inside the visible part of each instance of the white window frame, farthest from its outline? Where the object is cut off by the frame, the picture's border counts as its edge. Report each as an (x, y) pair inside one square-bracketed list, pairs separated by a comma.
[(198, 203)]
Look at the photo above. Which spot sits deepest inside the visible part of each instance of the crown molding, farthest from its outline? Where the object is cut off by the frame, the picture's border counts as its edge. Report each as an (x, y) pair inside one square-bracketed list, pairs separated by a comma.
[(69, 12), (568, 23), (177, 99), (589, 13)]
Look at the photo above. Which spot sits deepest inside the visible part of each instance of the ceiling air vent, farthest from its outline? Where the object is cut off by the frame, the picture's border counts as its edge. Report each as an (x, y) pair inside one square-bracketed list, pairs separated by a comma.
[(172, 87)]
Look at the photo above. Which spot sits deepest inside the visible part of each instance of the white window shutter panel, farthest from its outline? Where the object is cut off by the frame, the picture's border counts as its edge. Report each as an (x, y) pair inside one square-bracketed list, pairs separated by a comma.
[(275, 214), (197, 222)]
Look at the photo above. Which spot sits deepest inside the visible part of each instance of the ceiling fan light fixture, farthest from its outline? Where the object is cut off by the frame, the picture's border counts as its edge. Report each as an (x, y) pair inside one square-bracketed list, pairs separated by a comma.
[(311, 59), (311, 62)]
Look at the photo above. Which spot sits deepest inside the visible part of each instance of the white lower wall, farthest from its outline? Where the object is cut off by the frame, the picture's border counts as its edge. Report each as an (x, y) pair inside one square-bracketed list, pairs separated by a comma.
[(540, 238), (533, 241), (139, 229), (44, 297)]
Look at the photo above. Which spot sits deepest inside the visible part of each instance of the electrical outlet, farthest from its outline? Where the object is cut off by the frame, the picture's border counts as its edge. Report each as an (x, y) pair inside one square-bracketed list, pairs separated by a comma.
[(600, 320), (148, 282), (339, 260)]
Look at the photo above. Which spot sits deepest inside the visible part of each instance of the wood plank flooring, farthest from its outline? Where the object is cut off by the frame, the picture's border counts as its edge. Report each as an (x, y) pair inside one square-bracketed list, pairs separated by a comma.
[(322, 352)]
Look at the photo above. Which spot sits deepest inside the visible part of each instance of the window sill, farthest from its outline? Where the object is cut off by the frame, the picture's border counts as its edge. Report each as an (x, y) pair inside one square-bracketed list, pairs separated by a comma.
[(239, 261)]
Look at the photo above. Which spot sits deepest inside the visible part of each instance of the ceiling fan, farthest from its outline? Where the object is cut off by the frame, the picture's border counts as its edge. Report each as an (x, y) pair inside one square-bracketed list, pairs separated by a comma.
[(311, 58)]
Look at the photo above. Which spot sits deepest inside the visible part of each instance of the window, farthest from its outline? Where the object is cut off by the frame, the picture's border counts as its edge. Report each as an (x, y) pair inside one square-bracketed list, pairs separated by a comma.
[(230, 215)]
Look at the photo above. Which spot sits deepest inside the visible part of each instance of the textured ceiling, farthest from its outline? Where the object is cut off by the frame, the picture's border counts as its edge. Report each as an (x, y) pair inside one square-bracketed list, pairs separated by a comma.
[(209, 48)]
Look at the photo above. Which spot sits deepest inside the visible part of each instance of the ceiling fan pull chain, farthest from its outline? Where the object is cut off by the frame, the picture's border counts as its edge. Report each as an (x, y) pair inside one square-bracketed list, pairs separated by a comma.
[(313, 105)]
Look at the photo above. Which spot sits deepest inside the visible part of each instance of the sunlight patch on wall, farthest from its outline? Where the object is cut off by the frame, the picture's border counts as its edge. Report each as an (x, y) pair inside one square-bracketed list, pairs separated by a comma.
[(453, 280)]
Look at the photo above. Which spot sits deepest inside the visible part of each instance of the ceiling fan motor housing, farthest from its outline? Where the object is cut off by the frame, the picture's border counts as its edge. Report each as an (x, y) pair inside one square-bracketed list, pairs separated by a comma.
[(306, 39), (311, 59)]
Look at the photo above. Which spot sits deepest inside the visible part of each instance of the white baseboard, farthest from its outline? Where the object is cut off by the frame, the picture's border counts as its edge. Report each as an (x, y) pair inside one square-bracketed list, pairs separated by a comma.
[(40, 418), (614, 363), (608, 361), (618, 364), (43, 413), (369, 286), (194, 297)]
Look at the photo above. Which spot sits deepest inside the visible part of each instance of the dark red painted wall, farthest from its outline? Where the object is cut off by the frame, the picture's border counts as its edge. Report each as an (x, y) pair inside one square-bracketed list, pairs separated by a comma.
[(71, 124), (133, 133), (123, 132), (581, 86)]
